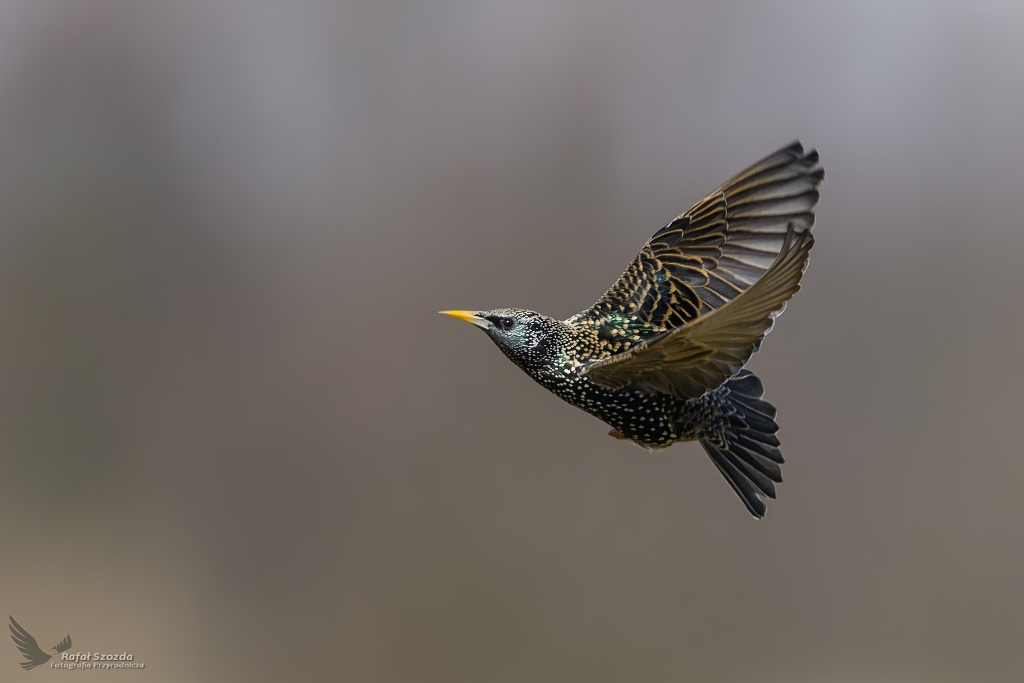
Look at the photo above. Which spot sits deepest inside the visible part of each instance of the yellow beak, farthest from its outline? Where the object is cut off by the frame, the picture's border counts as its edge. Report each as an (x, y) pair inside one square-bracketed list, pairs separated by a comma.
[(470, 317)]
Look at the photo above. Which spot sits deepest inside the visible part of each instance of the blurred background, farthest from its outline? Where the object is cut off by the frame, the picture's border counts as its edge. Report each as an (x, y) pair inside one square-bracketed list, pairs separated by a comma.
[(237, 441)]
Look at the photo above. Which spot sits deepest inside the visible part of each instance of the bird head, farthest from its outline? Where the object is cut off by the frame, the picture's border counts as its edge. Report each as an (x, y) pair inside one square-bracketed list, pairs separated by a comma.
[(529, 339)]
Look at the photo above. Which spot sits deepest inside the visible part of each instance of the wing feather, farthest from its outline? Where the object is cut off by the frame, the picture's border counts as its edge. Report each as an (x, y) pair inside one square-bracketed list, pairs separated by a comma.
[(714, 252), (691, 360)]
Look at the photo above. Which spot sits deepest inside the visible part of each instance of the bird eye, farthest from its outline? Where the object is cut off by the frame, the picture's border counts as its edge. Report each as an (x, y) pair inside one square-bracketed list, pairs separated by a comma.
[(506, 323)]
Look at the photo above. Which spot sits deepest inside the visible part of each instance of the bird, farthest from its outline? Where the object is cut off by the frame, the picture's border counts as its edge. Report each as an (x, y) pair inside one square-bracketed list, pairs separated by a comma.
[(661, 356), (28, 646)]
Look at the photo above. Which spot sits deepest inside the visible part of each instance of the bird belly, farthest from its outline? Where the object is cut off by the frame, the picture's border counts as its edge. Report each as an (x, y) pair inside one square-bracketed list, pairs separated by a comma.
[(651, 420)]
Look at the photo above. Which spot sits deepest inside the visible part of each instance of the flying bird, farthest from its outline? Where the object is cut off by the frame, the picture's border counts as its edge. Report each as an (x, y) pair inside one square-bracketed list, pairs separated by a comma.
[(660, 357), (28, 646)]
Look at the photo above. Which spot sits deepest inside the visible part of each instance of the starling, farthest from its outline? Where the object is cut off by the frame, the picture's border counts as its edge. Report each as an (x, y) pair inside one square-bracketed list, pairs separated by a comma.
[(660, 357)]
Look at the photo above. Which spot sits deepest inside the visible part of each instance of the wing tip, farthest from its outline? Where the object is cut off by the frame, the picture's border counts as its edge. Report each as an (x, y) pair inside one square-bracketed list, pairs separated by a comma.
[(795, 147)]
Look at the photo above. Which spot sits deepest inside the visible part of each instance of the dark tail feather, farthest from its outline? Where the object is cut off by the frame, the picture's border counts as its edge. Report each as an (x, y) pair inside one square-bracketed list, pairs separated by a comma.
[(750, 458)]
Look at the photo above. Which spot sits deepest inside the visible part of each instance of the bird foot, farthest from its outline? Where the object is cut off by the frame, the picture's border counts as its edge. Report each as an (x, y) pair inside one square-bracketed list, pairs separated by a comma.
[(616, 434)]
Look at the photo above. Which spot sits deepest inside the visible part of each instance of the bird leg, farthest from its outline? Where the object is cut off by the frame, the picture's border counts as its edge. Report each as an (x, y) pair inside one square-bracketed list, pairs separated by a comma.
[(616, 434)]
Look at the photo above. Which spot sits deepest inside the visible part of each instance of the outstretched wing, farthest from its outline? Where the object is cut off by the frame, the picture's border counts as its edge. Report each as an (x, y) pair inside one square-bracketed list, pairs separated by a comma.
[(28, 646), (698, 357), (715, 251), (64, 644)]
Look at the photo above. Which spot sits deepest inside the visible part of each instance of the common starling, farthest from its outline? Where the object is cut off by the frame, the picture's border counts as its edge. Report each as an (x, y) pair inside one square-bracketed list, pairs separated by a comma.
[(660, 357)]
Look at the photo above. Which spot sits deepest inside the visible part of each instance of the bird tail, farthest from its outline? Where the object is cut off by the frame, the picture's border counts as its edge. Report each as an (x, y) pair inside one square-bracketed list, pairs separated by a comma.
[(745, 449)]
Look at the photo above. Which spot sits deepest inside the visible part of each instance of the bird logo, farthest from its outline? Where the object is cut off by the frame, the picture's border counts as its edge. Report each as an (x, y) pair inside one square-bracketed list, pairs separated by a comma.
[(28, 646), (660, 357)]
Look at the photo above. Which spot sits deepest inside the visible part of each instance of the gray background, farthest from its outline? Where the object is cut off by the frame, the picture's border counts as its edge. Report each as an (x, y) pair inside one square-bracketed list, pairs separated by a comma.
[(237, 441)]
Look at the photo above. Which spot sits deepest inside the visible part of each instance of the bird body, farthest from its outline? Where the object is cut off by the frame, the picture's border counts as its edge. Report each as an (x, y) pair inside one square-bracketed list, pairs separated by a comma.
[(660, 357), (557, 353)]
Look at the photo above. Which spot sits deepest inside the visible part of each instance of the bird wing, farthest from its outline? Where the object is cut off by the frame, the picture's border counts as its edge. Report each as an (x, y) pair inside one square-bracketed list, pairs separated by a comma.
[(28, 646), (693, 359), (708, 256), (64, 644)]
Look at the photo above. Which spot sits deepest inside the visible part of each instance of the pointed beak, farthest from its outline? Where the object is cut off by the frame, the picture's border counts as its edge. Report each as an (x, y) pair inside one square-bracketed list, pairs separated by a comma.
[(470, 317)]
